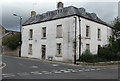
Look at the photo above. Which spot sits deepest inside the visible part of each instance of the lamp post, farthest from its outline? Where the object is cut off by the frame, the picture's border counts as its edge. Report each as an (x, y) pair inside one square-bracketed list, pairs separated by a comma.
[(20, 42)]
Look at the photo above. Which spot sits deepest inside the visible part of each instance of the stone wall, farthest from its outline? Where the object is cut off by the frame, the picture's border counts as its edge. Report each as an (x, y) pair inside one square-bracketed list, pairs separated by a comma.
[(7, 51)]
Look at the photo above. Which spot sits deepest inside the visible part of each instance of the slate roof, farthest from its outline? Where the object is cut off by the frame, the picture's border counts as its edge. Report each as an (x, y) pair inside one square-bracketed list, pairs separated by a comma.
[(62, 13)]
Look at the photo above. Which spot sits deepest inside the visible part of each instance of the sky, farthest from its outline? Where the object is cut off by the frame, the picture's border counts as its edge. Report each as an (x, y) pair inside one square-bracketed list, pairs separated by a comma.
[(106, 10)]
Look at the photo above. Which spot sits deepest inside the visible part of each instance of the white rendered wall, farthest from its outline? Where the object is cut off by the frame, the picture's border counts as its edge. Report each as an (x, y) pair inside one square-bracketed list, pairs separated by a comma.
[(51, 40), (93, 41), (68, 27)]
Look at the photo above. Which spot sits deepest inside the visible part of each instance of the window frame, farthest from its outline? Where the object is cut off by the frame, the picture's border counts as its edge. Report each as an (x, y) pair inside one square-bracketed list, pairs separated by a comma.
[(44, 37), (88, 47), (30, 50), (87, 31), (60, 32), (59, 49), (99, 34), (30, 34)]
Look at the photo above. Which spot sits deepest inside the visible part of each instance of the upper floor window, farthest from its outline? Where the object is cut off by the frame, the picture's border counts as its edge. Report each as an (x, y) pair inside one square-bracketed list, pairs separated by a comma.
[(30, 33), (44, 32), (99, 34), (87, 31), (59, 31)]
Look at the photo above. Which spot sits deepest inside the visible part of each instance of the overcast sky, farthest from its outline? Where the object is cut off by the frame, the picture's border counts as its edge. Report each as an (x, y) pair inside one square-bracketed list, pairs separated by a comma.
[(105, 10)]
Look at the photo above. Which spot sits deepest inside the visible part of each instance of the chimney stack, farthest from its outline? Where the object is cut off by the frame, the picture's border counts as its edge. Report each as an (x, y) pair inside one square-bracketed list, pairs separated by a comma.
[(60, 5), (33, 13)]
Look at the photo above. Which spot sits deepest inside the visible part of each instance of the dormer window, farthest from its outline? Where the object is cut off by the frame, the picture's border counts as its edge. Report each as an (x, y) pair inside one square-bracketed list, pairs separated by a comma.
[(48, 13), (59, 11)]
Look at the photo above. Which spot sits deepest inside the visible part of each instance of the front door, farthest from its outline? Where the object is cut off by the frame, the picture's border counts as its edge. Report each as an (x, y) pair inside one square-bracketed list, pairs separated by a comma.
[(43, 51)]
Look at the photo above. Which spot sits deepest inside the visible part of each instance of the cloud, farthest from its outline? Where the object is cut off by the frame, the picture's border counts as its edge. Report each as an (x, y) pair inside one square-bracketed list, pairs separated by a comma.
[(107, 11)]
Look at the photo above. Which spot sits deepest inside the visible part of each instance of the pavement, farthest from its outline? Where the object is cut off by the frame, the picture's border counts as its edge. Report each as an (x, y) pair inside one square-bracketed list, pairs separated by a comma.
[(23, 68)]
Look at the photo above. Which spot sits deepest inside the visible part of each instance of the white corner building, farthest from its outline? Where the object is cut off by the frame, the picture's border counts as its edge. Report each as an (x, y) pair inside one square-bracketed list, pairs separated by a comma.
[(53, 34)]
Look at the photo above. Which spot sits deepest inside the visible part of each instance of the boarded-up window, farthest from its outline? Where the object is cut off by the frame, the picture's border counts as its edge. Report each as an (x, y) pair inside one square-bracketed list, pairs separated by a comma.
[(30, 49), (59, 31)]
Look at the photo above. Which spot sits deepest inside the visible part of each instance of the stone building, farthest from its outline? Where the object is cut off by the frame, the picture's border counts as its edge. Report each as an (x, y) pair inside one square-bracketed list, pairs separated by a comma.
[(54, 34)]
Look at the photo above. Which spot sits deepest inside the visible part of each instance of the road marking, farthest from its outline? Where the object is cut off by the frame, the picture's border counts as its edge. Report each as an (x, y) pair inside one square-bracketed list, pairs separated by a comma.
[(8, 75), (55, 65), (34, 66), (58, 72), (73, 71), (44, 71), (4, 74), (86, 70), (98, 69), (92, 69), (48, 73), (3, 65), (35, 72), (62, 70), (80, 70), (23, 74), (66, 71)]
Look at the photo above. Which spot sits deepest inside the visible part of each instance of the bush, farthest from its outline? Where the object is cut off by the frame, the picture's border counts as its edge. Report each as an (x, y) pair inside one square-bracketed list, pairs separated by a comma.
[(12, 42), (109, 53), (87, 56)]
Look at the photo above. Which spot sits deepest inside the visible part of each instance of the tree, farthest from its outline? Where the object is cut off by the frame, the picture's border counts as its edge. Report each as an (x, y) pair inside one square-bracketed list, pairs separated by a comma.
[(12, 41), (112, 50)]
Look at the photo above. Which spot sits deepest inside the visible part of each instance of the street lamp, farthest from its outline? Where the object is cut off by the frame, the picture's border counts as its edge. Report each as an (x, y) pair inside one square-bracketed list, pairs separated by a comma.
[(20, 42)]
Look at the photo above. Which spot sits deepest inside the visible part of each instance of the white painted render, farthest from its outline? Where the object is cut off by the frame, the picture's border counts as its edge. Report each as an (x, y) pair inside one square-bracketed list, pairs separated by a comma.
[(68, 27)]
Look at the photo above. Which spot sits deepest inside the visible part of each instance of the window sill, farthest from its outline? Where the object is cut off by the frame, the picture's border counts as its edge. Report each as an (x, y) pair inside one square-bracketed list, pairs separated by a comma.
[(58, 55), (59, 37), (99, 39), (30, 38), (43, 38), (29, 54), (87, 37)]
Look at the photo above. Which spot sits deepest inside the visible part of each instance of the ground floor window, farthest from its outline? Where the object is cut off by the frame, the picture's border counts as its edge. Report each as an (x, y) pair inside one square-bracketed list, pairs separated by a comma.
[(43, 47), (59, 48), (30, 49)]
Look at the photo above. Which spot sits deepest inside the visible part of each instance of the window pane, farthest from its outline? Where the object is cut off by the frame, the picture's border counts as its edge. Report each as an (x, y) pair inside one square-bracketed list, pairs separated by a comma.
[(99, 33), (44, 32), (59, 50), (87, 31), (30, 49), (31, 33)]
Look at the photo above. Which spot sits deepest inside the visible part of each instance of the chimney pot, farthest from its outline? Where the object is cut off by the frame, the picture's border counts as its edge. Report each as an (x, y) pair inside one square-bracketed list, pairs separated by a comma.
[(60, 5), (33, 13)]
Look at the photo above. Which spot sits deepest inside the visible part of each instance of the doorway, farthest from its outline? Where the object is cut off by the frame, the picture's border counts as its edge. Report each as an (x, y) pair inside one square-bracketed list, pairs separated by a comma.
[(43, 51)]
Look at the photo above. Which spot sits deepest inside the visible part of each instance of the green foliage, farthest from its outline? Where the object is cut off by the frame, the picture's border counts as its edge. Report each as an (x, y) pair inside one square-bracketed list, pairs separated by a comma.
[(12, 41), (87, 56), (111, 51)]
